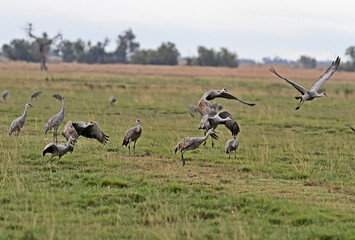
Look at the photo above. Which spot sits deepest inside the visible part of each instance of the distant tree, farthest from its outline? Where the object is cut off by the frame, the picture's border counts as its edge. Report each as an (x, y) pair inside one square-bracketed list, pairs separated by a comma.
[(206, 57), (166, 54), (227, 59), (210, 57), (126, 46), (66, 48), (307, 62), (18, 49), (350, 66), (43, 45), (95, 54)]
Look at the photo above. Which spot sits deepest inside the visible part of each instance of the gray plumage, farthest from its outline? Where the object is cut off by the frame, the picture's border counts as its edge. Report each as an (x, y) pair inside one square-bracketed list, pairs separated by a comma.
[(55, 121), (312, 93), (58, 96), (60, 149), (232, 145), (191, 143), (35, 94), (113, 99), (69, 130), (132, 135), (204, 104), (90, 130), (4, 94), (18, 123), (215, 106)]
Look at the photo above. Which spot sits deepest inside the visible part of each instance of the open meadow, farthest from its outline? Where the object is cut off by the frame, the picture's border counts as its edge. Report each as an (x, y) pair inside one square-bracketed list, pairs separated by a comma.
[(294, 176)]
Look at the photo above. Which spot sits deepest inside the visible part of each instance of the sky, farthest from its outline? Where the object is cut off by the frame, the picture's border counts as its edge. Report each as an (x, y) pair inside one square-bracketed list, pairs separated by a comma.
[(253, 29)]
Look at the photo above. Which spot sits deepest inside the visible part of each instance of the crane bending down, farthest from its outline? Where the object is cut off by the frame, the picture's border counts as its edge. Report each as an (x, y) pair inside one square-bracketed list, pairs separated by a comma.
[(58, 96), (18, 123), (191, 143), (60, 149), (308, 95), (55, 121), (113, 99), (232, 145), (35, 94), (88, 130), (4, 95), (348, 125), (204, 102), (132, 134)]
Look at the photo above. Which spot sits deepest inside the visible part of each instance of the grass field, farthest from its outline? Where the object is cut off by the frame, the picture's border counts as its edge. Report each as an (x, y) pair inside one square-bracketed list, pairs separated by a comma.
[(293, 178)]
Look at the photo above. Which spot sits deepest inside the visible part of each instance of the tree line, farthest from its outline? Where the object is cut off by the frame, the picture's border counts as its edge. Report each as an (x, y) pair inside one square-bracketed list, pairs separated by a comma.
[(128, 51)]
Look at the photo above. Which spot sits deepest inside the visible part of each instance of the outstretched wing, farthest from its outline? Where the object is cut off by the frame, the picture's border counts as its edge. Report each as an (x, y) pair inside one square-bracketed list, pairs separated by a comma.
[(301, 89), (50, 148), (215, 94), (328, 73), (350, 127), (69, 130), (232, 125), (94, 131), (35, 94)]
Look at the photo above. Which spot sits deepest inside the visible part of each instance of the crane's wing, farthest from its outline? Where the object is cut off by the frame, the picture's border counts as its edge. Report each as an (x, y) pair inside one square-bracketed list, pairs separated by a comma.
[(350, 127), (301, 89), (69, 130), (79, 126), (94, 131), (328, 73), (57, 96), (232, 125), (50, 148), (214, 94), (192, 108), (35, 94)]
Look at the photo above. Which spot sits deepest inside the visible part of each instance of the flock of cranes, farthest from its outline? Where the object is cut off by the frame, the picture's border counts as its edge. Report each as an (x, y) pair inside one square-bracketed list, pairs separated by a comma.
[(212, 116)]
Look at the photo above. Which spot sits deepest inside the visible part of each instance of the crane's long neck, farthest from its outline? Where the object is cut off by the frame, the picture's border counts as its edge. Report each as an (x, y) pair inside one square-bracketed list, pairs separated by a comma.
[(25, 112), (63, 107), (205, 137)]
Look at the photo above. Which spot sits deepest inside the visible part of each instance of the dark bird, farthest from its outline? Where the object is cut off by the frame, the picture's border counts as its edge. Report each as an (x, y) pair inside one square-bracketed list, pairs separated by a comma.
[(113, 99), (132, 135), (57, 96), (4, 95), (35, 94), (308, 95), (191, 143)]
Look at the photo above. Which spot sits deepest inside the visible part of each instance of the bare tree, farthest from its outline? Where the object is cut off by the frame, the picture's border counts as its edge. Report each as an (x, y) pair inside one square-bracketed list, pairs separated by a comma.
[(43, 45)]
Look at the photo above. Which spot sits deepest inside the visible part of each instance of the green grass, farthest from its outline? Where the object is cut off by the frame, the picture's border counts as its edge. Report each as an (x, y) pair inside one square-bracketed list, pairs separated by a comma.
[(293, 177)]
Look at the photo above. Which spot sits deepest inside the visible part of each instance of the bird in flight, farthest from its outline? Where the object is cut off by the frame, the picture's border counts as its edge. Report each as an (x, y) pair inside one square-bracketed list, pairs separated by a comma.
[(308, 95)]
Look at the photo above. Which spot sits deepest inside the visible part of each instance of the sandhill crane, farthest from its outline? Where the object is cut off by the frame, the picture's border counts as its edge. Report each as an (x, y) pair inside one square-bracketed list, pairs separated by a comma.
[(191, 143), (88, 130), (69, 130), (60, 149), (132, 135), (4, 95), (308, 95), (18, 123), (204, 104), (58, 96), (232, 145), (194, 109), (350, 127), (55, 121), (35, 94), (112, 100)]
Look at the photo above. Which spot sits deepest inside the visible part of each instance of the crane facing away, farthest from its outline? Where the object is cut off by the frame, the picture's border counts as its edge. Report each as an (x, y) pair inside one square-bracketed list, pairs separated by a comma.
[(55, 121), (308, 95), (191, 143), (18, 123), (232, 145), (60, 149), (4, 95), (132, 134)]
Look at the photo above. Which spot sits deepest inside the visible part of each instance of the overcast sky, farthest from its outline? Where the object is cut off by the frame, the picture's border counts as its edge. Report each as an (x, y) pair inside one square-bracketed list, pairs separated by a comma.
[(252, 28)]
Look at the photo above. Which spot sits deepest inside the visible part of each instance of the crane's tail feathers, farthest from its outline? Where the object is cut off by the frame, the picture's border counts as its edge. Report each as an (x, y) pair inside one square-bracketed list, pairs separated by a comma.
[(125, 143), (214, 136), (176, 148), (45, 129), (298, 97)]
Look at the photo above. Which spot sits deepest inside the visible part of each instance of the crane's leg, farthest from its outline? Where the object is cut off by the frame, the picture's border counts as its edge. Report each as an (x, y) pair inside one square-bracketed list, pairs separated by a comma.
[(129, 147), (299, 105), (56, 134), (50, 158), (212, 142), (58, 161), (134, 148), (229, 151), (235, 154), (182, 157), (204, 144)]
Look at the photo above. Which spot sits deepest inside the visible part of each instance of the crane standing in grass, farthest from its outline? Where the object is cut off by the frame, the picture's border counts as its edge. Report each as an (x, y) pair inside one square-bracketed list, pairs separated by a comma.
[(4, 95), (18, 123), (113, 99), (232, 145), (191, 143), (55, 121), (132, 134), (60, 149), (308, 95)]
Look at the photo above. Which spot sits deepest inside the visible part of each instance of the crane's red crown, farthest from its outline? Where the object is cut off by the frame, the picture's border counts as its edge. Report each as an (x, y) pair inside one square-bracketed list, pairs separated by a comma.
[(325, 94), (90, 121), (138, 120), (225, 89)]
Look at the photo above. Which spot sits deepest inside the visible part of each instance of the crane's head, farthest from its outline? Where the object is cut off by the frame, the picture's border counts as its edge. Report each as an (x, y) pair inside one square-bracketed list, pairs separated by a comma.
[(324, 94), (224, 90), (138, 122), (90, 123), (63, 98), (28, 105)]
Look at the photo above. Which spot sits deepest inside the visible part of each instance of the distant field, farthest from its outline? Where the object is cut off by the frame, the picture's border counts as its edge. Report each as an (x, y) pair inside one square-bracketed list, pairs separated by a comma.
[(294, 177)]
